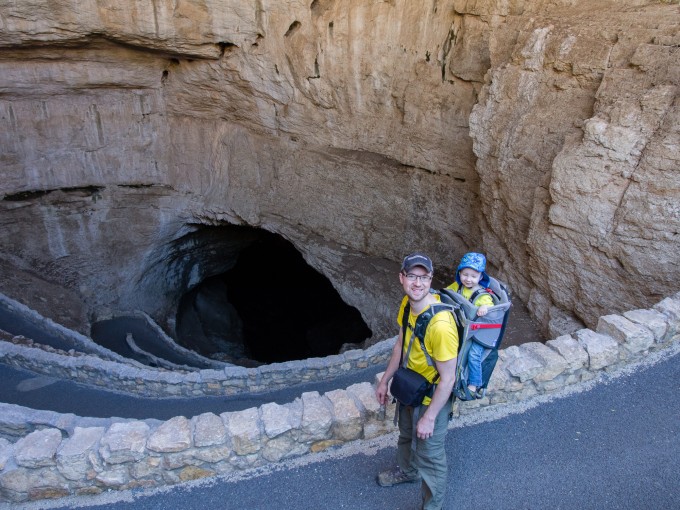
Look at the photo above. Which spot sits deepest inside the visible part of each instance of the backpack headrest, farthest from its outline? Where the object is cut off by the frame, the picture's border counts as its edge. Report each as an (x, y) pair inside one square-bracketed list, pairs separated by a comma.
[(499, 289)]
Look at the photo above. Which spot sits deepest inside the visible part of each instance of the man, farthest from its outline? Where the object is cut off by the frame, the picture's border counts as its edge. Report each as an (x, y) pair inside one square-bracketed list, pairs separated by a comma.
[(422, 429)]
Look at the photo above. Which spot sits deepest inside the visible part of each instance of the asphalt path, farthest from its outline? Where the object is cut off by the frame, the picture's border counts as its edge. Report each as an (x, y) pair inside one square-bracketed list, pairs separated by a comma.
[(607, 444), (16, 324), (27, 389), (111, 333)]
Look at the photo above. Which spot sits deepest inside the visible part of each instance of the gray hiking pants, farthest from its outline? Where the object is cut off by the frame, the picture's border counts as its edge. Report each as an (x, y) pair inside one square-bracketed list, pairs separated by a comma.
[(427, 456)]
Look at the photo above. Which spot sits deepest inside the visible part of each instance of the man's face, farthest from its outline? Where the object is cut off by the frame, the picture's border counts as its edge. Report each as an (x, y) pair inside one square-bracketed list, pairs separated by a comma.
[(416, 282), (469, 277)]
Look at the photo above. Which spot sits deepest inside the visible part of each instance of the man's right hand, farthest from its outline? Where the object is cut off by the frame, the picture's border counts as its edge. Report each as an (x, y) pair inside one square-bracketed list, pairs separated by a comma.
[(381, 393)]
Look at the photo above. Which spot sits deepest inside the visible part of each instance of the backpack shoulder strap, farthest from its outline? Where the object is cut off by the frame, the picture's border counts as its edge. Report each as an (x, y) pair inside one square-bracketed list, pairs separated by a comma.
[(404, 326), (475, 294), (423, 321), (481, 291)]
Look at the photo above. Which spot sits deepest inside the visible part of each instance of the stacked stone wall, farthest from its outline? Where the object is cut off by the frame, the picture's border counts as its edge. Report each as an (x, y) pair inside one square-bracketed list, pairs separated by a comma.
[(152, 382), (65, 455)]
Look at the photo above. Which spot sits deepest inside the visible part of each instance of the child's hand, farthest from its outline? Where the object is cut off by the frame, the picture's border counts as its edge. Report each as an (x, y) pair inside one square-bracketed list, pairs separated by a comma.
[(481, 311)]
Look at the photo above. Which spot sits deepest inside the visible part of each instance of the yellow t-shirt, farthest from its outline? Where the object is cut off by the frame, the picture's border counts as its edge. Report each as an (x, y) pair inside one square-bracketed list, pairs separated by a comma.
[(441, 342), (482, 299)]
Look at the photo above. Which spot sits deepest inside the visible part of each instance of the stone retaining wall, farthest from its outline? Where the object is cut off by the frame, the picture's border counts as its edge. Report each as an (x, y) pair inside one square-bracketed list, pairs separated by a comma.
[(86, 456), (93, 365), (158, 382)]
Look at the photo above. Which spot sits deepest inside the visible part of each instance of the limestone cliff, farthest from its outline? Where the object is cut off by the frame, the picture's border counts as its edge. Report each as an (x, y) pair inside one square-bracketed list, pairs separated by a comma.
[(544, 133)]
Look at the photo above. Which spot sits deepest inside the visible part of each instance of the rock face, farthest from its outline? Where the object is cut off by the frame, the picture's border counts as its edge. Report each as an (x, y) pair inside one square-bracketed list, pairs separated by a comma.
[(544, 133), (580, 177)]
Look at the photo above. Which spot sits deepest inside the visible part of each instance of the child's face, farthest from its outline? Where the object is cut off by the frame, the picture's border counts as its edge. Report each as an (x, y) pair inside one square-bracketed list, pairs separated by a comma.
[(469, 277)]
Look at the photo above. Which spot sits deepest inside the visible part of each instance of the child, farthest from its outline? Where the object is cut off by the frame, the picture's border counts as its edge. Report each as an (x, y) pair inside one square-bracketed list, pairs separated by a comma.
[(469, 275)]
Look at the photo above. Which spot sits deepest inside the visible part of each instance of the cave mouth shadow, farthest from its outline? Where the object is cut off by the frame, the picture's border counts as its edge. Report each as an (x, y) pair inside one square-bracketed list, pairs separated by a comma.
[(270, 306)]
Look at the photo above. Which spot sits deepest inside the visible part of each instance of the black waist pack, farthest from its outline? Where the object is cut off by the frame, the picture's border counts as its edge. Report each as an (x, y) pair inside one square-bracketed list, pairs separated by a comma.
[(409, 387)]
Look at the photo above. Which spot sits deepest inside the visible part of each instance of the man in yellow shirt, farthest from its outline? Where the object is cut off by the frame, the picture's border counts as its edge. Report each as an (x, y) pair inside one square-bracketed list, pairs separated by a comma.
[(421, 453)]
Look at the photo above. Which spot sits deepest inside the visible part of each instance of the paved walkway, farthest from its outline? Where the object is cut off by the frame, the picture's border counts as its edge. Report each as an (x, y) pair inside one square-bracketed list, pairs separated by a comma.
[(615, 445), (27, 389)]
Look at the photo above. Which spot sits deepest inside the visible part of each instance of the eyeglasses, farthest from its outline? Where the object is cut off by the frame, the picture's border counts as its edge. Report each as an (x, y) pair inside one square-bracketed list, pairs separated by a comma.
[(413, 277)]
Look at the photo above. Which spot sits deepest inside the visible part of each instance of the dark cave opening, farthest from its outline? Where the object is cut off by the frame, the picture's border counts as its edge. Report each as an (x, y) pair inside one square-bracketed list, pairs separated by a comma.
[(269, 306)]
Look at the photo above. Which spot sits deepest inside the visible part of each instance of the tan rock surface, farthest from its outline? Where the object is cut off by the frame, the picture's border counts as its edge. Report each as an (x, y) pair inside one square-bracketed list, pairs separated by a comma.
[(348, 127), (582, 159)]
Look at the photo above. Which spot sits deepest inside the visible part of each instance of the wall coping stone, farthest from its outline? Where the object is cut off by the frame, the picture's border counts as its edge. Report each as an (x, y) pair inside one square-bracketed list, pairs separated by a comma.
[(634, 337), (243, 427), (347, 423), (6, 451), (521, 364), (173, 435), (37, 449), (655, 321), (317, 418), (72, 457), (208, 430), (572, 351), (602, 350), (670, 307), (277, 419), (124, 442), (553, 363)]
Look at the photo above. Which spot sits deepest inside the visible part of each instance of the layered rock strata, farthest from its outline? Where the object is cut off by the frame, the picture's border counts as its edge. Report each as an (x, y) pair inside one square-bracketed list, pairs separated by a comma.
[(543, 133)]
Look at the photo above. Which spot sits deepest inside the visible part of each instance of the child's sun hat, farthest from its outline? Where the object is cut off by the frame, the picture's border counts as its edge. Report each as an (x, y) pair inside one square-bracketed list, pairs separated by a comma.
[(475, 261)]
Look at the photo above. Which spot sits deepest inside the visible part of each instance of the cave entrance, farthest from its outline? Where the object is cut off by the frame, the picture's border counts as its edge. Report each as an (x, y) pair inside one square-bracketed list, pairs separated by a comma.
[(269, 306)]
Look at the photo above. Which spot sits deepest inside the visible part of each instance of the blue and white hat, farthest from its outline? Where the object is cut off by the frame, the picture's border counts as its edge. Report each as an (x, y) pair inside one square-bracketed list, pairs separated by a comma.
[(475, 261)]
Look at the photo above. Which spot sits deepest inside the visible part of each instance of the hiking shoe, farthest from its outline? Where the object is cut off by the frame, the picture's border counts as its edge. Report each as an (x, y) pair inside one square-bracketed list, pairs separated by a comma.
[(473, 392), (395, 476)]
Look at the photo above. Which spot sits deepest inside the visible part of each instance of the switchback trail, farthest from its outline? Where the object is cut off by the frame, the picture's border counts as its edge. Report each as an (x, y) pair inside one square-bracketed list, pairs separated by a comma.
[(612, 444)]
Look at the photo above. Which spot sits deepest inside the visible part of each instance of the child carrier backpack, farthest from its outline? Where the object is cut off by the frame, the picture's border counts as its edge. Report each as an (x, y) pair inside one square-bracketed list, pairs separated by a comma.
[(487, 331)]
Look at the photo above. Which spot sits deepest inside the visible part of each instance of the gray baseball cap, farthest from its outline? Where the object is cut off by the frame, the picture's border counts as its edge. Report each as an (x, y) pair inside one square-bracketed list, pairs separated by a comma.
[(417, 259)]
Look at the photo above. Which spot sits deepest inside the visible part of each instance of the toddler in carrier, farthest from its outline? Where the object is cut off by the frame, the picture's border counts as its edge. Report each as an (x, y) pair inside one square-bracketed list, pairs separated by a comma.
[(471, 282)]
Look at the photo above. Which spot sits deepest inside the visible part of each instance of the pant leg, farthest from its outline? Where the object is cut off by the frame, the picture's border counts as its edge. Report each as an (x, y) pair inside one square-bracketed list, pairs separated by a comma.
[(404, 449), (430, 459), (475, 364)]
